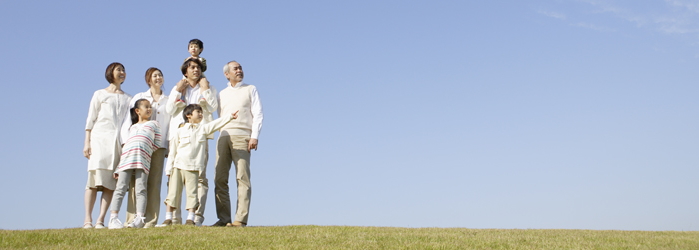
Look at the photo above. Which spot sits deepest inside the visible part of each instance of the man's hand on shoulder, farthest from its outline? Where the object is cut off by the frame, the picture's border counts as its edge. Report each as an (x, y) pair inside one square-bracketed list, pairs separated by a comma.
[(181, 86)]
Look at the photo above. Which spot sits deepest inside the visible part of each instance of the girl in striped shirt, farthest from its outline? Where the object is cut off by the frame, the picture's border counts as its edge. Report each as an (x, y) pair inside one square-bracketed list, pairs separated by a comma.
[(144, 138)]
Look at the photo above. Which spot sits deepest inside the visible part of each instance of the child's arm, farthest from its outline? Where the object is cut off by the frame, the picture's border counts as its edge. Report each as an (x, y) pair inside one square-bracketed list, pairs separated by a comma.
[(158, 140), (217, 124)]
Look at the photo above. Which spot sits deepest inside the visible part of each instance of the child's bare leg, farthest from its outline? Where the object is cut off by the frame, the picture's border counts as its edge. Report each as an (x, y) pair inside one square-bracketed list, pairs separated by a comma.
[(90, 197), (104, 204)]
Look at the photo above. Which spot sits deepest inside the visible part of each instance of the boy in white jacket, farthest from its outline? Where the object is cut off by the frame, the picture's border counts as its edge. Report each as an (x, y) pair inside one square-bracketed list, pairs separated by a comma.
[(187, 158)]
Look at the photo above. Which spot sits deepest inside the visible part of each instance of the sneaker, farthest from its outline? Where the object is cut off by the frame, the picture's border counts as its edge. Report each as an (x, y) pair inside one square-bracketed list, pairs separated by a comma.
[(190, 223), (166, 223), (100, 225), (198, 220), (219, 224), (115, 223), (87, 225), (137, 222)]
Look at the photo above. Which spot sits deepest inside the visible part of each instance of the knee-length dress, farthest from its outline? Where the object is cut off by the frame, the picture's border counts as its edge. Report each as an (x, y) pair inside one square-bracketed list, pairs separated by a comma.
[(104, 118), (144, 138)]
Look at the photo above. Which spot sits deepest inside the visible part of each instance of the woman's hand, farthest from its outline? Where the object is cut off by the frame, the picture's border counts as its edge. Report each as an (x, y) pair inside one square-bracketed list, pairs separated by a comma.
[(235, 115), (87, 151)]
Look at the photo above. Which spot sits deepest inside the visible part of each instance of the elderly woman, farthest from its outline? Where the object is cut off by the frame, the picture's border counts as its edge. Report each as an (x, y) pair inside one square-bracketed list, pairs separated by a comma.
[(155, 95), (108, 109), (194, 89)]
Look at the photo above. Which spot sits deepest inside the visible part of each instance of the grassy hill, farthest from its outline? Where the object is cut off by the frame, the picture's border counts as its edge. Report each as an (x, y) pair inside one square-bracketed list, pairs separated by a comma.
[(342, 237)]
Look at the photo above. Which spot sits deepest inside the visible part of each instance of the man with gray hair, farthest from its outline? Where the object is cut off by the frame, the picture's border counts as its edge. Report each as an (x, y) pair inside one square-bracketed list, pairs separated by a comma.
[(234, 145)]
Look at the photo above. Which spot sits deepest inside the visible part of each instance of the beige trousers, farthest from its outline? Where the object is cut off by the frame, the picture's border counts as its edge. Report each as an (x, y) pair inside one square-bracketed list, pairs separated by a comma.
[(155, 180), (232, 150), (179, 178), (202, 192)]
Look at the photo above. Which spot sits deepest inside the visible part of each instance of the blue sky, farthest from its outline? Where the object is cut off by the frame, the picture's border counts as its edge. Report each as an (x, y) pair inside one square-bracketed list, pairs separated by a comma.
[(480, 114)]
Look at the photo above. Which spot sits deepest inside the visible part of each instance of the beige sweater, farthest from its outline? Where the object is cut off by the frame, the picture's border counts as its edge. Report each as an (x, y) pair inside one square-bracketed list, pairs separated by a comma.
[(243, 98)]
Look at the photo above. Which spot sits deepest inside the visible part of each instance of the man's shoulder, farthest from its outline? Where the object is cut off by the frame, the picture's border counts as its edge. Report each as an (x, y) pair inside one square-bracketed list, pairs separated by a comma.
[(248, 86)]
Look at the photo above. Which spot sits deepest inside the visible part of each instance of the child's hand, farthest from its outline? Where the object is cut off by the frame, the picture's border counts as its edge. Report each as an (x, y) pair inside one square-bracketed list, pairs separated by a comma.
[(235, 115), (116, 176), (181, 86)]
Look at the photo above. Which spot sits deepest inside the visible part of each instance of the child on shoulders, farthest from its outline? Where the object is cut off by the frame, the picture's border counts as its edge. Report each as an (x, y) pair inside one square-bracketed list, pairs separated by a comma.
[(195, 47)]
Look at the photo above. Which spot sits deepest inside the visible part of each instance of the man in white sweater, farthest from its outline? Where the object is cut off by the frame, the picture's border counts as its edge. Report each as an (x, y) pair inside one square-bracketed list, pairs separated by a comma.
[(234, 145)]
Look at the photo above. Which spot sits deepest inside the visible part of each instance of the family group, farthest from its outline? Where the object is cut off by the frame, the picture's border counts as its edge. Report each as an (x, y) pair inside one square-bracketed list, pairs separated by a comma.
[(127, 139)]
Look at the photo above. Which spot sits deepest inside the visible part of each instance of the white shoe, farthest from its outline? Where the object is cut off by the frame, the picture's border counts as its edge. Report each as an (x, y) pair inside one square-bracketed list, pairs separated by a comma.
[(138, 222), (99, 225), (115, 223), (198, 220)]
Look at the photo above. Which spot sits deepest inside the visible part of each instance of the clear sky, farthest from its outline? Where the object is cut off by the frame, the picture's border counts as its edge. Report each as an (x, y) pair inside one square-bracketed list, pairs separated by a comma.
[(558, 114)]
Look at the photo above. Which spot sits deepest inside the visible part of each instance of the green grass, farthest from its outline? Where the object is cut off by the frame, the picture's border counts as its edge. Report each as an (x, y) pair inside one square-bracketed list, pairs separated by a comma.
[(341, 237)]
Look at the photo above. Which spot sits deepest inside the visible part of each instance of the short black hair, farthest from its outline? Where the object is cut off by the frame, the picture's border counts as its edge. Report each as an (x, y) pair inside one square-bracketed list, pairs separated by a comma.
[(189, 109), (197, 42)]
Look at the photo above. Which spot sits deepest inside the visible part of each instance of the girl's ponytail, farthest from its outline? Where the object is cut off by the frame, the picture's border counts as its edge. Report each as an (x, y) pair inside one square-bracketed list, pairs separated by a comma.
[(134, 116)]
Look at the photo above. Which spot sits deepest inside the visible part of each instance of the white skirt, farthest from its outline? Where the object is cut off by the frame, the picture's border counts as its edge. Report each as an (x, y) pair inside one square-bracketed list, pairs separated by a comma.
[(101, 178)]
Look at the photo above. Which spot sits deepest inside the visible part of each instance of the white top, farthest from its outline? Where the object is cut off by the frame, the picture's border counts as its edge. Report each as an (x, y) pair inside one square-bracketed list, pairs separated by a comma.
[(244, 98), (176, 103), (104, 118), (159, 114), (188, 145)]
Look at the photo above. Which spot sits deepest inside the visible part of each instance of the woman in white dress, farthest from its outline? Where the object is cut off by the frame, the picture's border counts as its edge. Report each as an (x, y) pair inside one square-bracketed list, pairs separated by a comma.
[(108, 108), (155, 95)]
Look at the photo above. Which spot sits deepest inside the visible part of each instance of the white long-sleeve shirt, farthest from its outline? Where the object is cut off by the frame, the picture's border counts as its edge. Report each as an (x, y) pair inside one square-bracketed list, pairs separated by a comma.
[(159, 114), (177, 101), (244, 99), (188, 145)]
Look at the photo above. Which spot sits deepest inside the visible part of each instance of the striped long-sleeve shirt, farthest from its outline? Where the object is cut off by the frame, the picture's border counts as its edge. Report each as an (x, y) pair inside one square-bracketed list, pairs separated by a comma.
[(144, 138)]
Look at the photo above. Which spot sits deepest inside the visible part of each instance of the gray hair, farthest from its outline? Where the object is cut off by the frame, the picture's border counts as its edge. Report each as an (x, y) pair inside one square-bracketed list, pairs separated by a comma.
[(225, 67)]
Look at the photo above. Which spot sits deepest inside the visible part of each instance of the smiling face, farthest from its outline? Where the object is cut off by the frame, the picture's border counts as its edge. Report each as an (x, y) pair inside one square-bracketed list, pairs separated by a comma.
[(119, 74), (235, 72), (144, 110), (196, 116), (194, 50), (156, 79), (193, 71)]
